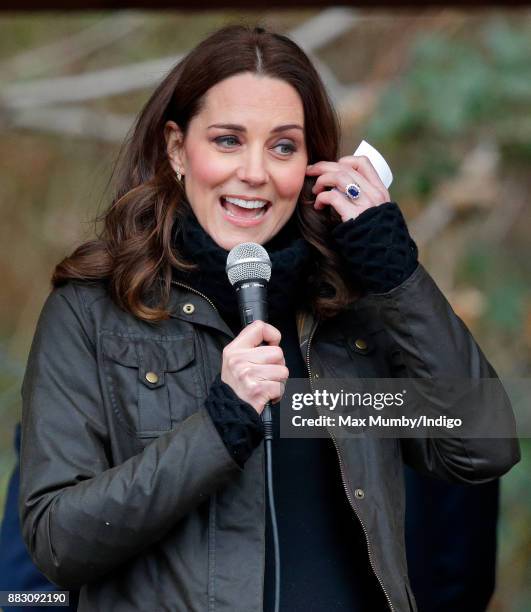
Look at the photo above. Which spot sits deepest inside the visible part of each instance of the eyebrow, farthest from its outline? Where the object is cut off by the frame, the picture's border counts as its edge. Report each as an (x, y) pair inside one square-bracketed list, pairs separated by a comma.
[(241, 128)]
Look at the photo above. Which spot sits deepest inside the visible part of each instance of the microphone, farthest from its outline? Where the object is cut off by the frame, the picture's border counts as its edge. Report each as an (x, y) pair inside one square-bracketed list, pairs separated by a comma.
[(249, 270)]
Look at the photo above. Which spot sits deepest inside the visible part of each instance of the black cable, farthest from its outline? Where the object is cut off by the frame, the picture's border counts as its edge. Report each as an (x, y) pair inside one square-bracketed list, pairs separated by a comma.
[(268, 437)]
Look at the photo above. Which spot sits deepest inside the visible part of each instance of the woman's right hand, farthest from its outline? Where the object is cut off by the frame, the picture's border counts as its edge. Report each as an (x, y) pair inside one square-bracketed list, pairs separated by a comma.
[(257, 374)]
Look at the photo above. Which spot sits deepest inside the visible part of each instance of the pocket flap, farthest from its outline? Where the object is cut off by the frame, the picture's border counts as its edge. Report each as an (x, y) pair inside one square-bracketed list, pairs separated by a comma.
[(152, 357)]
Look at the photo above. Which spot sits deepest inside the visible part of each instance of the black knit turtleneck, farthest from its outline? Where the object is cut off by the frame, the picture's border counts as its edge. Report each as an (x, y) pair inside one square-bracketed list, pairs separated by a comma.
[(290, 257), (324, 558)]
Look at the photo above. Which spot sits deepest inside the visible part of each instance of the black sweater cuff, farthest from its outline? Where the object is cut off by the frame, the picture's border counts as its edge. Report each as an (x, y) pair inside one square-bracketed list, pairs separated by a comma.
[(237, 422), (379, 252)]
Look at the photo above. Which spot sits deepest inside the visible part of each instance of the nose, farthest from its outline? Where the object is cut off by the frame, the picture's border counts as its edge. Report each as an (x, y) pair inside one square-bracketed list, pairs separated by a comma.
[(252, 169)]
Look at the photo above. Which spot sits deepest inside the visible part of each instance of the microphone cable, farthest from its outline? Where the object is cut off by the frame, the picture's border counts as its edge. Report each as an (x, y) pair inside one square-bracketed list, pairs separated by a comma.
[(267, 419)]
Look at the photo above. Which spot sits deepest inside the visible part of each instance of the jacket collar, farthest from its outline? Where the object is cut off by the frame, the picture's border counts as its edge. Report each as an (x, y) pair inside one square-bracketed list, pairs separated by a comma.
[(187, 305)]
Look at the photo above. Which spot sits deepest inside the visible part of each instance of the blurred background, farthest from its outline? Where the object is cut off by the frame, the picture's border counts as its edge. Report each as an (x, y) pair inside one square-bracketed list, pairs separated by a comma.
[(445, 95)]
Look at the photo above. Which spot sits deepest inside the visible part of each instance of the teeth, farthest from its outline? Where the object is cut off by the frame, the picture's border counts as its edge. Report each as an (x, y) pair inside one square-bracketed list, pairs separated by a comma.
[(259, 213), (246, 203)]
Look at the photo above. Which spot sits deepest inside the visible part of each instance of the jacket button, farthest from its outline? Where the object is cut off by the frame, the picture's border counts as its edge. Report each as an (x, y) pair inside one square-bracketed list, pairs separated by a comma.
[(152, 378), (188, 308), (359, 493), (360, 344)]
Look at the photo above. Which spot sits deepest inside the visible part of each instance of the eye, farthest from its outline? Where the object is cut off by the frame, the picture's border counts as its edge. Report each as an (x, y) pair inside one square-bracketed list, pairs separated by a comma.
[(223, 139), (291, 148), (226, 142)]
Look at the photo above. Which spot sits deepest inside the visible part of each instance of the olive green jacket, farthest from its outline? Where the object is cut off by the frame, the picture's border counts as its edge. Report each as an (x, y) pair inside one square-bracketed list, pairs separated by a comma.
[(127, 490)]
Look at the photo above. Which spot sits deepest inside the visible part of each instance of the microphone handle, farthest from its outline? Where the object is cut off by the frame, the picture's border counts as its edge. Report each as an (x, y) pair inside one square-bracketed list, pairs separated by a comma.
[(252, 301), (252, 304)]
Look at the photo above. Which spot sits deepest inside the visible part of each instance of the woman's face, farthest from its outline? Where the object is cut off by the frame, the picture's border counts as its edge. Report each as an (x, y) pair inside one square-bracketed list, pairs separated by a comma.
[(245, 148)]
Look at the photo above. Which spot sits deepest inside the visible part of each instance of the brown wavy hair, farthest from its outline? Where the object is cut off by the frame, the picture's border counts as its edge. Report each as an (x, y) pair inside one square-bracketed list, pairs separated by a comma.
[(134, 252)]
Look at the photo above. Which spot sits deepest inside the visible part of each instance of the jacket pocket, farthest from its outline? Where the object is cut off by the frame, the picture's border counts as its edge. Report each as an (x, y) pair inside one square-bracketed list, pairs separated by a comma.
[(151, 382)]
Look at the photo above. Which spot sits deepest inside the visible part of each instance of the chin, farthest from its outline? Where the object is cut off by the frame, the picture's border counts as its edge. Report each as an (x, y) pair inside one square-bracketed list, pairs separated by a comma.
[(228, 240)]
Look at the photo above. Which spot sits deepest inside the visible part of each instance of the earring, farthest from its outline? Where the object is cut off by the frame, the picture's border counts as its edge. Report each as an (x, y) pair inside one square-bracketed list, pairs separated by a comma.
[(179, 175)]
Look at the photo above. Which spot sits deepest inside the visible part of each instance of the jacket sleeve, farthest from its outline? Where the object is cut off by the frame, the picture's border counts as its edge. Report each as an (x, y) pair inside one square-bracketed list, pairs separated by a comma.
[(81, 518), (433, 342)]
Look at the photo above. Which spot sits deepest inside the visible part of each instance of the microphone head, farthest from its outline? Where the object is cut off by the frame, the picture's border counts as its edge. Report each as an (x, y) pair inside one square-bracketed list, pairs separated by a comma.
[(247, 261)]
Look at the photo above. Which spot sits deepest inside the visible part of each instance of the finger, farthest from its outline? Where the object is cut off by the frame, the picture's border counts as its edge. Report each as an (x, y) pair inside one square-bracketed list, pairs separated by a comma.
[(322, 166), (330, 179), (272, 390), (359, 163), (254, 334), (340, 180), (281, 391), (271, 354), (344, 208), (363, 165), (269, 372)]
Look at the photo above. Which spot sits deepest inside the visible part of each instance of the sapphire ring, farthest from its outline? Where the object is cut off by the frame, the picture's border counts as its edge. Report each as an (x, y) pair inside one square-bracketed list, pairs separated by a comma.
[(352, 191)]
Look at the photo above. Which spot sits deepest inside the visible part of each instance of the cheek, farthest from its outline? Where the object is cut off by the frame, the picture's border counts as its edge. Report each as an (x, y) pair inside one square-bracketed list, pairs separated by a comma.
[(206, 171), (290, 184)]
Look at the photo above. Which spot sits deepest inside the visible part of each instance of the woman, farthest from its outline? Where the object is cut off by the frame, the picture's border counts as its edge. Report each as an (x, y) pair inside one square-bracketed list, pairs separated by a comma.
[(142, 455)]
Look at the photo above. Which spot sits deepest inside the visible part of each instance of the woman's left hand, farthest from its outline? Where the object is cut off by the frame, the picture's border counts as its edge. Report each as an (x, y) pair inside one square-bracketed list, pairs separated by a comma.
[(348, 169)]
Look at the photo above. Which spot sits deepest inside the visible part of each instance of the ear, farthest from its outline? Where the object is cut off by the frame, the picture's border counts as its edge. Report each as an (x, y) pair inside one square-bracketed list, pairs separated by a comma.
[(174, 146)]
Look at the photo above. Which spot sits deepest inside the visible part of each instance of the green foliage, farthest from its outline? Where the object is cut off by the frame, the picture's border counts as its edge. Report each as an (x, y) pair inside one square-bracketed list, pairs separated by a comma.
[(456, 89), (503, 282), (455, 85)]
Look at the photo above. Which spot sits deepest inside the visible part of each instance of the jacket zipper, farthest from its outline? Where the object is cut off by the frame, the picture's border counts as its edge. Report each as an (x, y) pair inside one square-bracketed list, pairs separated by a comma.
[(345, 487), (174, 282)]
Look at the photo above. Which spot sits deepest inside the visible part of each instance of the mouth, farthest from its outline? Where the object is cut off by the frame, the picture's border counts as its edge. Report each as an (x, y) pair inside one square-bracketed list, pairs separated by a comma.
[(244, 212)]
